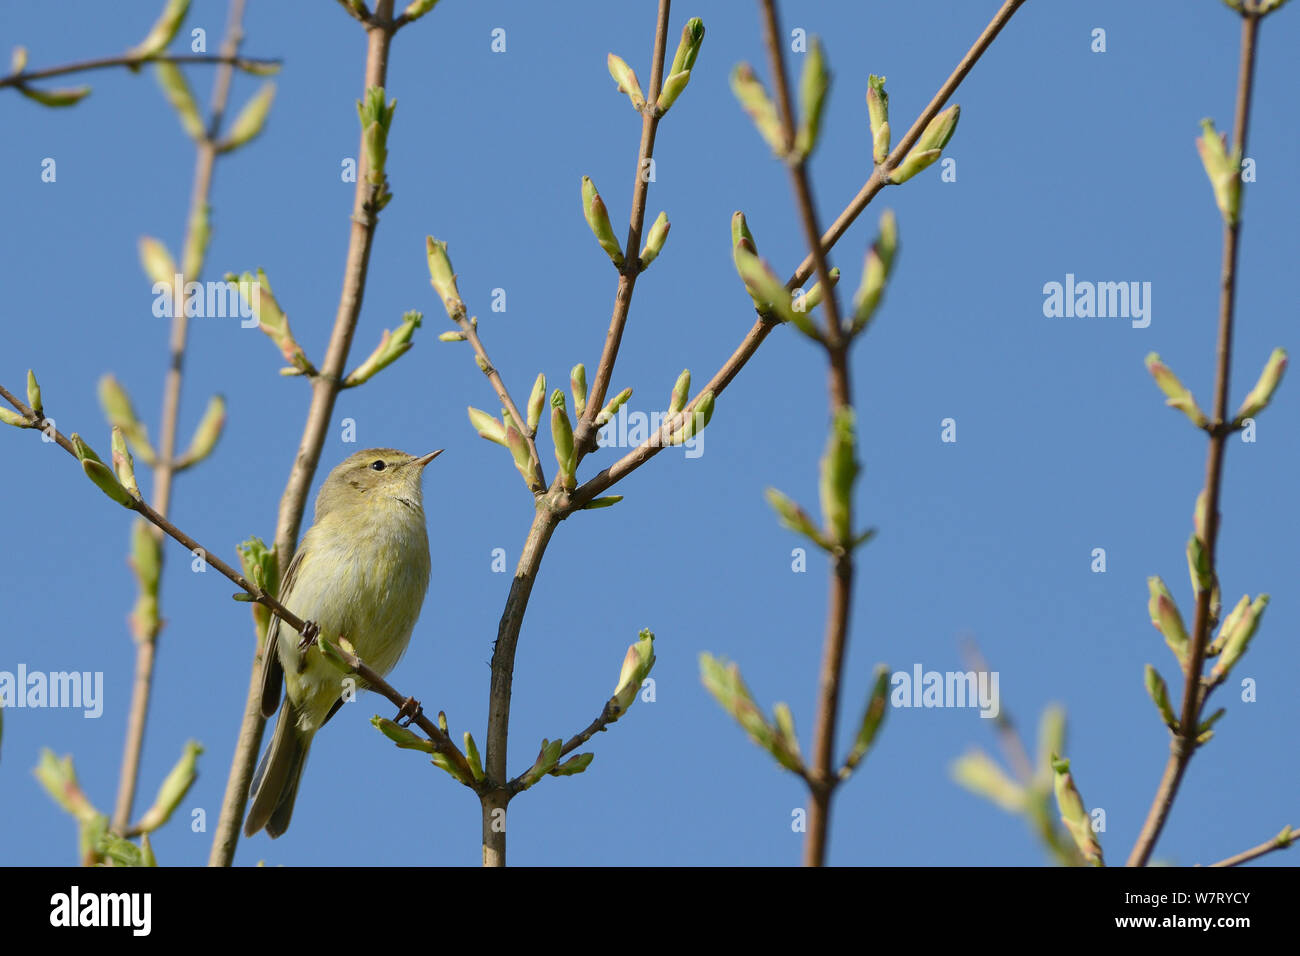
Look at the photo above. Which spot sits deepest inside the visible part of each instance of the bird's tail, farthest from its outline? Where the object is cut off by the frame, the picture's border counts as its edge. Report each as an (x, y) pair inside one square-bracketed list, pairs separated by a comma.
[(275, 785)]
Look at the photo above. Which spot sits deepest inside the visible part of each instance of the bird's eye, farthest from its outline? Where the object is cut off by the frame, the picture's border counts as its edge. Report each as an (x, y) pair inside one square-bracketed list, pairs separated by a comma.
[(378, 465)]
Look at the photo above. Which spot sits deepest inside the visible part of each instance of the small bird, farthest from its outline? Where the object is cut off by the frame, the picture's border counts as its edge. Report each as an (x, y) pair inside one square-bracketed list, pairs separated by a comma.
[(360, 572)]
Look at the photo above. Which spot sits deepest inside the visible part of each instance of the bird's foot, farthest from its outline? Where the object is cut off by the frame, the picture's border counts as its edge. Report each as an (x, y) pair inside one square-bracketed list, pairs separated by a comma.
[(409, 711), (310, 631)]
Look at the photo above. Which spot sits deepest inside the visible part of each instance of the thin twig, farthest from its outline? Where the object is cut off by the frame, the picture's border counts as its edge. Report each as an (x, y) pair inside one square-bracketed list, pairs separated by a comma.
[(441, 742), (1257, 851), (141, 507), (584, 436), (821, 776), (221, 59), (879, 177), (1183, 744), (607, 717), (490, 370), (165, 470), (325, 389)]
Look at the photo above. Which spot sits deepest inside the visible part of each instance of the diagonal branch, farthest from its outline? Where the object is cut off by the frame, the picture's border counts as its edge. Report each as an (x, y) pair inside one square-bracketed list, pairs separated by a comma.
[(1280, 842)]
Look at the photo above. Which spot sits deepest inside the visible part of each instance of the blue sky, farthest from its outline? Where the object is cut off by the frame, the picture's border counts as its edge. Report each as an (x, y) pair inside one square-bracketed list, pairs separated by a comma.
[(1068, 161)]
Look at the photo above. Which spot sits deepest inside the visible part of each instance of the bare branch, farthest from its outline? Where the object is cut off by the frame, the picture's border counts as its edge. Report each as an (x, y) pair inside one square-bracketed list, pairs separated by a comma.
[(251, 64), (1184, 744)]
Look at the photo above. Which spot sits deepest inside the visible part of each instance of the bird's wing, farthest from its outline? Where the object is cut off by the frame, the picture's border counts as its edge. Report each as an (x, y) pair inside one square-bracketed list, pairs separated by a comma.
[(272, 669)]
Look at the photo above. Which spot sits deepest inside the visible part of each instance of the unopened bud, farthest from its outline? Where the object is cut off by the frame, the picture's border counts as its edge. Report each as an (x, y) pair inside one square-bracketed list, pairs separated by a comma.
[(655, 239), (123, 466), (1177, 394), (681, 393), (1262, 393), (612, 406), (578, 386), (536, 402), (813, 85), (878, 114), (250, 120), (443, 279), (593, 208), (487, 426), (1223, 168), (929, 147), (626, 80), (34, 395), (755, 101), (1165, 617)]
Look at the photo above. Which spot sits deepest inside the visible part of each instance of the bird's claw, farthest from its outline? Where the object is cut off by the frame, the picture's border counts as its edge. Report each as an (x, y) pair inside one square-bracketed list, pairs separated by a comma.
[(410, 710), (310, 631)]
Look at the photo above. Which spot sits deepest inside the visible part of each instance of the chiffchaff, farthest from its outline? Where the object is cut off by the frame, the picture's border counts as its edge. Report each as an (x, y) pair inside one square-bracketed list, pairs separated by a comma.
[(360, 573)]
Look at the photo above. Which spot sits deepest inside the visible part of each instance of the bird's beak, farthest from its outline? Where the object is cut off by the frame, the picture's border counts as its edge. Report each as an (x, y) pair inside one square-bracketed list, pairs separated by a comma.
[(428, 458)]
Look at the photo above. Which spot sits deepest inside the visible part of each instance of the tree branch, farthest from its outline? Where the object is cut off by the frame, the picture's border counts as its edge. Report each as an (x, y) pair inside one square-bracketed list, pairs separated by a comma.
[(551, 510), (165, 470), (820, 775), (1183, 745), (503, 394), (607, 717), (1280, 842), (584, 436), (325, 389), (251, 64), (761, 327)]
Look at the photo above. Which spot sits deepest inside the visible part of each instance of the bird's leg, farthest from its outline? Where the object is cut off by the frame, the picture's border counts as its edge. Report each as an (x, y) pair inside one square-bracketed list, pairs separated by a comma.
[(310, 631), (410, 710)]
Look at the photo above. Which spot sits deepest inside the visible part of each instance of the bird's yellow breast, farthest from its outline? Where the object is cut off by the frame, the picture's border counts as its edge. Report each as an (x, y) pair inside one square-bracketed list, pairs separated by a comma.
[(366, 584)]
